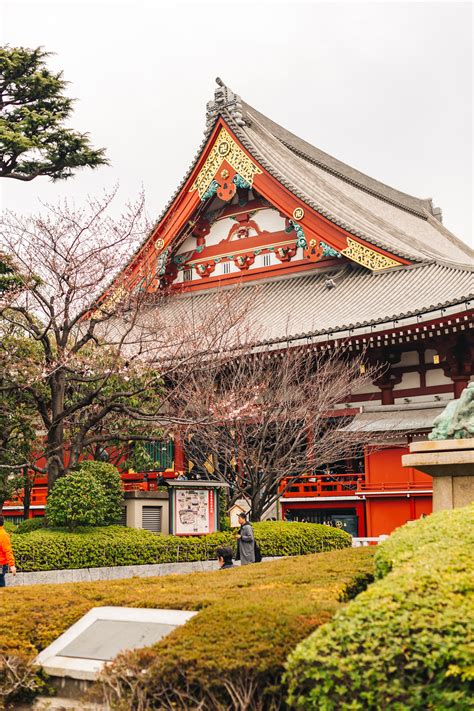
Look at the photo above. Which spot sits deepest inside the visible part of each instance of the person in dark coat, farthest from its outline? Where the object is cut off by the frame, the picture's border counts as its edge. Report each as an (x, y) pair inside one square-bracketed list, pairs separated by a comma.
[(224, 557), (245, 541)]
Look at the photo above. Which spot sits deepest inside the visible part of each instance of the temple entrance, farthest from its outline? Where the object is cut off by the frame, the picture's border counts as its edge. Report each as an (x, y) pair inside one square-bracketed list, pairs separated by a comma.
[(345, 519)]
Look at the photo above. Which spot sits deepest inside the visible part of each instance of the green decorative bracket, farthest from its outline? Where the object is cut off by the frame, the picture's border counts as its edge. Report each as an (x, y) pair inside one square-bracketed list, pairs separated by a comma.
[(239, 182), (300, 235), (211, 191), (162, 260), (330, 251)]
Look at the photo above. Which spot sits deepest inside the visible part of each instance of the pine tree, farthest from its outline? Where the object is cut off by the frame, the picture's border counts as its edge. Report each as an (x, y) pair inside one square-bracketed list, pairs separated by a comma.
[(33, 109)]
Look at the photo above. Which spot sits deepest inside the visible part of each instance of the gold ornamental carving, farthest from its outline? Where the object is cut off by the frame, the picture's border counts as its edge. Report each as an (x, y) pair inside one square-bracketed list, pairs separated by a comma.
[(298, 213), (368, 257), (224, 148)]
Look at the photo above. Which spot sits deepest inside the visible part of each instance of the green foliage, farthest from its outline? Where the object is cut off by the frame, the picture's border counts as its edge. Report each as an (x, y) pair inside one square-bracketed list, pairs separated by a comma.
[(406, 642), (434, 535), (8, 277), (117, 545), (248, 620), (140, 459), (10, 527), (109, 477), (77, 499), (33, 138), (224, 518), (30, 524)]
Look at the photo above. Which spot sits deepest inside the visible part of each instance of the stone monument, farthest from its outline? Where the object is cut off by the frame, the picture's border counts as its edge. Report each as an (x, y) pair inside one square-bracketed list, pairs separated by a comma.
[(448, 455)]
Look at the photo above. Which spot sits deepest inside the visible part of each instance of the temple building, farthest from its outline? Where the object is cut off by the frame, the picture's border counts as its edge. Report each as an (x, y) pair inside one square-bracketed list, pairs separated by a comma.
[(338, 257)]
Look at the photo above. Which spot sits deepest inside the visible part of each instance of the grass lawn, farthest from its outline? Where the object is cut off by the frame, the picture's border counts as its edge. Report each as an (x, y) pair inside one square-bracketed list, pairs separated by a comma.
[(249, 620)]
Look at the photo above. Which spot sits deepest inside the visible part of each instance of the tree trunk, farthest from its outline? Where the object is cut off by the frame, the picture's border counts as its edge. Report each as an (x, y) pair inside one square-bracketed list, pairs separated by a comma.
[(26, 494), (55, 447)]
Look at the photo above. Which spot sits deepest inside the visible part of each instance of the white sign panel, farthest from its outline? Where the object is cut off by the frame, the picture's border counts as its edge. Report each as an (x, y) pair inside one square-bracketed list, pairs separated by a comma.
[(192, 512)]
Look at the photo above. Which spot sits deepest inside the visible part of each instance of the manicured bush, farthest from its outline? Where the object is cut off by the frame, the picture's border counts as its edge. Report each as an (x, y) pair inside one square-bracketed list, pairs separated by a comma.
[(109, 477), (30, 524), (248, 620), (9, 527), (76, 499), (406, 642), (117, 545), (434, 536)]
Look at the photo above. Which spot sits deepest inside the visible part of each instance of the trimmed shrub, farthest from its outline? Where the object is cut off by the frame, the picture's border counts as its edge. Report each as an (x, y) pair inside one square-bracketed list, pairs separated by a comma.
[(248, 620), (30, 524), (406, 642), (231, 655), (76, 499), (431, 537), (109, 477), (116, 545)]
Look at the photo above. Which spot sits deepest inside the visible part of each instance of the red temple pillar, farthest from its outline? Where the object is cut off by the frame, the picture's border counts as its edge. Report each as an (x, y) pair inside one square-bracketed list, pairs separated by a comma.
[(179, 457)]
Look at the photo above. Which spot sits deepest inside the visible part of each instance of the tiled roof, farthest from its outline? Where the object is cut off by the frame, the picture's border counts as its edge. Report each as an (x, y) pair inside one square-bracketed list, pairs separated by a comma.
[(360, 212), (303, 306), (395, 418), (400, 223)]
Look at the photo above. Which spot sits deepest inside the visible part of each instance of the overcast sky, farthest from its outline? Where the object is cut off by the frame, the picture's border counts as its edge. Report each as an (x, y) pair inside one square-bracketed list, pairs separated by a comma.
[(385, 87)]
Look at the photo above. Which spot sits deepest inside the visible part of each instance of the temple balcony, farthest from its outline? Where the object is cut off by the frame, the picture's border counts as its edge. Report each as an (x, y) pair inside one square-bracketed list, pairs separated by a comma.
[(316, 485)]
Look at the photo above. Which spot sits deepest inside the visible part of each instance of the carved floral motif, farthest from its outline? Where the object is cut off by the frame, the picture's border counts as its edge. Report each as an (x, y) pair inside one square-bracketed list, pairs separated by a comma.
[(367, 257), (225, 149)]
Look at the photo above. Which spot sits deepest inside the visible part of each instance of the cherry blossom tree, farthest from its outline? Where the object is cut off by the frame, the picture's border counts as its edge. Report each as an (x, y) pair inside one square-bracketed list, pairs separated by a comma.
[(100, 347), (268, 416)]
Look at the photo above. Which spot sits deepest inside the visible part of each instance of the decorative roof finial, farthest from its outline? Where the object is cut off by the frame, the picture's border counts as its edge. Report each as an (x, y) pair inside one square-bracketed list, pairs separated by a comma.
[(224, 100)]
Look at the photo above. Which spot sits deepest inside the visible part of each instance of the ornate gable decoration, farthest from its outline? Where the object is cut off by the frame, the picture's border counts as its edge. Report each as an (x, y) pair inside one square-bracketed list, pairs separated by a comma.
[(224, 149), (368, 257)]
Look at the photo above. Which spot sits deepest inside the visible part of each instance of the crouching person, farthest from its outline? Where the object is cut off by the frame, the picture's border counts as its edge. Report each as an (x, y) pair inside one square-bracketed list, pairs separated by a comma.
[(224, 557), (6, 554)]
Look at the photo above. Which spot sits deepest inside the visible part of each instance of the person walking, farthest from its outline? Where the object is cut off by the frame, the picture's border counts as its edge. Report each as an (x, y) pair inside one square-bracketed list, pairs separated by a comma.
[(245, 541), (6, 554)]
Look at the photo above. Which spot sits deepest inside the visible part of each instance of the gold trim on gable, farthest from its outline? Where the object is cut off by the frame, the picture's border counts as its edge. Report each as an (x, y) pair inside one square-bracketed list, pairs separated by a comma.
[(368, 257), (224, 148)]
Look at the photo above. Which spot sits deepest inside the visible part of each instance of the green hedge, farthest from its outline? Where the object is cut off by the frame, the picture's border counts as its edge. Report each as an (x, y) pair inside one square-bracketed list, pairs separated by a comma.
[(115, 545), (231, 655), (407, 641), (248, 620), (428, 538), (29, 525)]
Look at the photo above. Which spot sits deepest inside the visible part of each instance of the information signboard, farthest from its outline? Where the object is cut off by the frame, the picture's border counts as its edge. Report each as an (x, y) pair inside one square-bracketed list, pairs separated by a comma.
[(194, 511)]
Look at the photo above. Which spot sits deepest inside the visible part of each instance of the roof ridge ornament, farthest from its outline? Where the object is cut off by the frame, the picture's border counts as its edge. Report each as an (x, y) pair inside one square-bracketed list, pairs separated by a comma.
[(224, 99), (224, 150)]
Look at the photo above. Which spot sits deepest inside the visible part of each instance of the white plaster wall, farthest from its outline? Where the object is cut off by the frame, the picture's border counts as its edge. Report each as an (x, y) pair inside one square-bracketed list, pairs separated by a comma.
[(259, 260), (409, 380), (368, 388), (409, 358), (219, 231), (219, 270), (269, 220), (188, 245), (437, 377)]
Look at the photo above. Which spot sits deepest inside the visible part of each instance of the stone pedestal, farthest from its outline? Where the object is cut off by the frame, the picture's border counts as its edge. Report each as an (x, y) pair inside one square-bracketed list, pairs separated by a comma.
[(451, 464)]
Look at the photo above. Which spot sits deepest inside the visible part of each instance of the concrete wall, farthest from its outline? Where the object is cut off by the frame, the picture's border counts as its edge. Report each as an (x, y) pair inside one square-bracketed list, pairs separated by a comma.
[(136, 501)]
